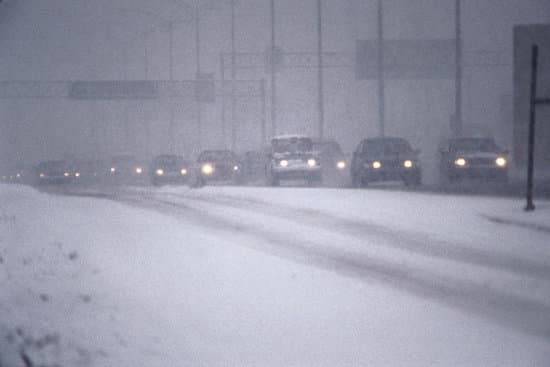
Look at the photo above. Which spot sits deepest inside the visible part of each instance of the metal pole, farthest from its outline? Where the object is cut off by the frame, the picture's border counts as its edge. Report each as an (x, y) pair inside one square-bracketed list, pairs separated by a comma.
[(233, 73), (198, 63), (172, 129), (321, 106), (262, 97), (530, 206), (457, 126), (222, 73), (381, 86), (273, 74)]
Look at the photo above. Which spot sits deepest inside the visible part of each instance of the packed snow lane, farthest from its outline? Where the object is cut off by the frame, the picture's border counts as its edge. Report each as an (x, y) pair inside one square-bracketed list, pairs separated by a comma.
[(175, 276)]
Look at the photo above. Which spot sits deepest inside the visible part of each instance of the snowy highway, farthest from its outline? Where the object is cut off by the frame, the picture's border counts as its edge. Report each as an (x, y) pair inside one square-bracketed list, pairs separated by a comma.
[(288, 276)]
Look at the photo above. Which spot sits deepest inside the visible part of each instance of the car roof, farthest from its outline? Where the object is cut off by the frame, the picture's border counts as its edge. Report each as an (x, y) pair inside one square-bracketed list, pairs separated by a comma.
[(290, 136)]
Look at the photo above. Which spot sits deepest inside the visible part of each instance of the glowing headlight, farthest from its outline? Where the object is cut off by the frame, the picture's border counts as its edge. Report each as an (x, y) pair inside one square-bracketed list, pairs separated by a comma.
[(159, 172), (341, 165), (77, 174), (408, 163), (311, 162), (183, 171), (501, 161), (41, 175), (376, 164), (66, 174), (283, 163), (235, 168), (207, 169), (139, 170), (18, 175), (113, 169), (461, 162)]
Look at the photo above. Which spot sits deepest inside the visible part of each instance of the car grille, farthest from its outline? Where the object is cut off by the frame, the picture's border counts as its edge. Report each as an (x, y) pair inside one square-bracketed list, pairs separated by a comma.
[(481, 161)]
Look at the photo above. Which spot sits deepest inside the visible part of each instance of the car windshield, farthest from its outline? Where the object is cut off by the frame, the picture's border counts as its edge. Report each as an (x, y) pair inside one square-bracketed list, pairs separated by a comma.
[(473, 145), (168, 160), (292, 145), (386, 146), (328, 148), (217, 156)]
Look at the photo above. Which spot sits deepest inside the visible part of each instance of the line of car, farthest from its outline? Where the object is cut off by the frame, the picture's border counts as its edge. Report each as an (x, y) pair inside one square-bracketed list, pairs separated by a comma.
[(288, 158)]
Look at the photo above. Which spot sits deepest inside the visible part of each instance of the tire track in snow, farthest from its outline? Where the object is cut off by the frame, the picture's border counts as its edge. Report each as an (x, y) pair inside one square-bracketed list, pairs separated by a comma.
[(522, 314)]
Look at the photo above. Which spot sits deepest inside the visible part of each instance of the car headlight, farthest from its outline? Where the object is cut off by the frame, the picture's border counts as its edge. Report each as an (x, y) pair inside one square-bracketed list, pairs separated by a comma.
[(113, 169), (183, 171), (408, 163), (207, 169), (341, 165), (283, 163), (235, 168), (311, 162), (376, 164), (139, 170), (66, 174), (77, 174), (159, 172), (41, 175), (18, 175), (501, 161), (460, 162)]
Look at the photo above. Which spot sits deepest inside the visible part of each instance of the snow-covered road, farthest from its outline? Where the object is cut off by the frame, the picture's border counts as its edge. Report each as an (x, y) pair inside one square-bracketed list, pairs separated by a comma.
[(261, 276)]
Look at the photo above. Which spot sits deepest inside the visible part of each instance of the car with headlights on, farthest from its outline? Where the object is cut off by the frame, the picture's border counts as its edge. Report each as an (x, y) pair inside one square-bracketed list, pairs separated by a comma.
[(218, 166), (292, 158), (333, 160), (125, 169), (86, 171), (472, 158), (54, 172), (169, 169), (385, 159)]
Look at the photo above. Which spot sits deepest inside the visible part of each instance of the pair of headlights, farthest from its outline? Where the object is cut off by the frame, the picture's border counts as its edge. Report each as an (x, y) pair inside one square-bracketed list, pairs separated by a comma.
[(160, 172), (208, 168), (406, 163), (310, 162), (138, 170), (499, 161)]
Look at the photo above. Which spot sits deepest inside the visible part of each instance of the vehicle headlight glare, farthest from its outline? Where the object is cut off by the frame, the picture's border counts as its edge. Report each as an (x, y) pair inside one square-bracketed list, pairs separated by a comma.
[(311, 162), (283, 163), (183, 171), (376, 164), (66, 174), (159, 172), (41, 175), (461, 162), (113, 169), (77, 174), (341, 165), (408, 163), (139, 170), (207, 169), (235, 168), (501, 162)]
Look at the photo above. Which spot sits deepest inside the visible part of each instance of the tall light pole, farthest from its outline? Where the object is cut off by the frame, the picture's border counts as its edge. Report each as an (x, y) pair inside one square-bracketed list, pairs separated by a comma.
[(381, 86), (273, 71), (198, 76), (321, 104), (457, 122), (233, 76)]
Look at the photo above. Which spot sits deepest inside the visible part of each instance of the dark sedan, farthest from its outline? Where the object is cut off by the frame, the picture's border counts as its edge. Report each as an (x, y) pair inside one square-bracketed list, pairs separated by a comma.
[(169, 168), (54, 172), (218, 165), (385, 159)]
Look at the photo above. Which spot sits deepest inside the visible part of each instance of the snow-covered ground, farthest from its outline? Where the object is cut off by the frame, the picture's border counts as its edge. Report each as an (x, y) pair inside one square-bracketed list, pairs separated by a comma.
[(272, 277)]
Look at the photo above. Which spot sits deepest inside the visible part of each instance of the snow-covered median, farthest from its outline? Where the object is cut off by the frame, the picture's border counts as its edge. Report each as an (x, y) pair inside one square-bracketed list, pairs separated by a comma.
[(90, 282)]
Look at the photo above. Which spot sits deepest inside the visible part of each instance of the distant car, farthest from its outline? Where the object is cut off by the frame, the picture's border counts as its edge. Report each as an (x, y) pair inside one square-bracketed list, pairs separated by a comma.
[(87, 171), (472, 158), (332, 158), (218, 165), (169, 168), (293, 158), (126, 169), (53, 172), (385, 159)]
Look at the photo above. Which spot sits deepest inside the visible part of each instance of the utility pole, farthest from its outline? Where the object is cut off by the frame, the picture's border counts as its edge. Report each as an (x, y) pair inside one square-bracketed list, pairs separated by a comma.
[(321, 106), (262, 96), (233, 75), (381, 86), (172, 127), (222, 75), (198, 85), (457, 122), (273, 75)]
